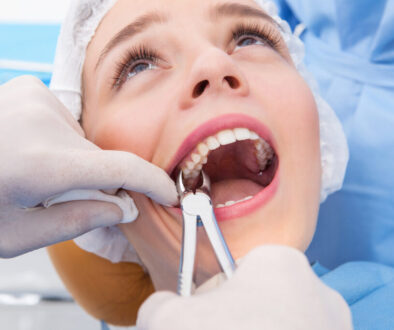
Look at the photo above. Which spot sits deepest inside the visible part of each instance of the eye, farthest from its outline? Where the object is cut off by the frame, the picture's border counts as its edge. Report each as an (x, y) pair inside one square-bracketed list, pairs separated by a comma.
[(140, 67), (248, 41), (249, 35), (136, 61)]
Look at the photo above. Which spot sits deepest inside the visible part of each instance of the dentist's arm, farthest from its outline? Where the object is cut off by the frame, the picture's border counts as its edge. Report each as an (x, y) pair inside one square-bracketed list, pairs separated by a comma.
[(43, 153), (273, 288)]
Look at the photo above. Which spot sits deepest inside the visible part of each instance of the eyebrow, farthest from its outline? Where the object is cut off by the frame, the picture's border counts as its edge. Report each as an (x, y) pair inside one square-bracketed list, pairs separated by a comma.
[(141, 24), (146, 21)]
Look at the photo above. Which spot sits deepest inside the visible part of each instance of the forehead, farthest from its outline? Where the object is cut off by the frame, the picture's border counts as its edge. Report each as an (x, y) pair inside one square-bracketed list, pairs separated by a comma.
[(185, 11), (175, 8)]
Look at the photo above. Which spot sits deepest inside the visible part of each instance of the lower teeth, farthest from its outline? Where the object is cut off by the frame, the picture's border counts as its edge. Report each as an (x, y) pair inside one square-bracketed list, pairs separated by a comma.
[(228, 203)]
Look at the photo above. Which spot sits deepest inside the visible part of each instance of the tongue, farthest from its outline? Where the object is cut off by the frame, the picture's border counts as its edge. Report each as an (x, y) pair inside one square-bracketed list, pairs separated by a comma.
[(233, 190)]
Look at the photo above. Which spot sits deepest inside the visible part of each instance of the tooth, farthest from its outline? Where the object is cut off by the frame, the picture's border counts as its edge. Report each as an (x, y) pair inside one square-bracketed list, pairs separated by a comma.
[(190, 165), (241, 134), (259, 145), (264, 153), (186, 171), (229, 203), (254, 136), (204, 160), (194, 174), (212, 143), (262, 163), (203, 149), (266, 146), (261, 154), (226, 137), (196, 158), (198, 167)]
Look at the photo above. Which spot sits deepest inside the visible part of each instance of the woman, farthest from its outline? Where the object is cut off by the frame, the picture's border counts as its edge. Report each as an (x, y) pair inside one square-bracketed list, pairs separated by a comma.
[(225, 95)]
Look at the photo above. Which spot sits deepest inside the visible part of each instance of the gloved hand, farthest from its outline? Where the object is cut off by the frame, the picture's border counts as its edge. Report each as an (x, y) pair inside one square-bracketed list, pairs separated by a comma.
[(273, 288), (43, 154)]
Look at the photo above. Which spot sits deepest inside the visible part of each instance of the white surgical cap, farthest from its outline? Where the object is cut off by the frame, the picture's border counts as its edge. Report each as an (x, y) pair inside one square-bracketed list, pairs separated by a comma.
[(78, 29)]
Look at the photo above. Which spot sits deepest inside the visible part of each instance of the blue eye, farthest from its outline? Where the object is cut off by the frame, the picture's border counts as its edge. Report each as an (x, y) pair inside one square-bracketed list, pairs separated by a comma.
[(140, 67), (136, 61), (248, 41), (248, 35)]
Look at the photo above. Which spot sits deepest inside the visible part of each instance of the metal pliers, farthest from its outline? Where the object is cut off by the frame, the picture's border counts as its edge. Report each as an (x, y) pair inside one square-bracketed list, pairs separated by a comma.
[(196, 209)]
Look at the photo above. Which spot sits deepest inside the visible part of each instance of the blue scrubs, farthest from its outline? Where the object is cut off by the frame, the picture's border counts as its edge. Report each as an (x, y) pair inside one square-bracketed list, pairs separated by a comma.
[(350, 51), (368, 288)]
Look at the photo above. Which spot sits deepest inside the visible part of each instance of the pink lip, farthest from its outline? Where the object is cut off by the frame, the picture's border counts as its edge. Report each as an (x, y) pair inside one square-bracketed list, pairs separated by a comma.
[(212, 127), (244, 208)]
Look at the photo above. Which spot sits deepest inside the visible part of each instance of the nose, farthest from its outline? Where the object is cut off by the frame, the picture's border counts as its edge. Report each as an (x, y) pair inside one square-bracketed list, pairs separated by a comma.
[(213, 72)]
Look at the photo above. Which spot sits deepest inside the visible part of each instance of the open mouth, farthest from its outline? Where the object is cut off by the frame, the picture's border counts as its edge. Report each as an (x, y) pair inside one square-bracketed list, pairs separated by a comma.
[(240, 162)]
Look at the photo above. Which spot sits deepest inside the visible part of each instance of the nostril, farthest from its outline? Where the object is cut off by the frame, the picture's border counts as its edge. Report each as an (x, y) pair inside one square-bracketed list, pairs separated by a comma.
[(200, 87), (233, 82)]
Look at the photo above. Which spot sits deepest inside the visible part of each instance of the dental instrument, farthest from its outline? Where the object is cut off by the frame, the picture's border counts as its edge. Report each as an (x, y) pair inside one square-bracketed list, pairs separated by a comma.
[(197, 209)]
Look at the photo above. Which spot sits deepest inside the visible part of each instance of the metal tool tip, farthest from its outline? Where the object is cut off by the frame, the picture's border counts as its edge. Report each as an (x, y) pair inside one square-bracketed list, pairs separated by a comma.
[(203, 183), (206, 182), (179, 183)]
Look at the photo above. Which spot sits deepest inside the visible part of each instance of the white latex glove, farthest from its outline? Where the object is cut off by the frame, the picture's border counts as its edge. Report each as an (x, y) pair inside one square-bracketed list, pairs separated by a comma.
[(43, 154), (273, 288)]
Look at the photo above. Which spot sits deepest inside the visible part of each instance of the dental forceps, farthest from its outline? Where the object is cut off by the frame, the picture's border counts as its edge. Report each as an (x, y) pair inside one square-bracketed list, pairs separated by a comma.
[(196, 209)]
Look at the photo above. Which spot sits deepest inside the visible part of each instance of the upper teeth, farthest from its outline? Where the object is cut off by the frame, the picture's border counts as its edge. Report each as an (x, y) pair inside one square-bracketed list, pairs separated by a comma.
[(192, 165)]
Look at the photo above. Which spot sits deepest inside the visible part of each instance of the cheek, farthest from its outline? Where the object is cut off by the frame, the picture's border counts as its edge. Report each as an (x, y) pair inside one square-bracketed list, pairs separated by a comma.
[(128, 122), (292, 115), (292, 112), (300, 138), (116, 129)]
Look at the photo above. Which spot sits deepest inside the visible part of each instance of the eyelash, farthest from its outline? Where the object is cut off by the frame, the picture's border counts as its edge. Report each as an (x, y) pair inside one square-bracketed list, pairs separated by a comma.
[(130, 60), (267, 33), (144, 55)]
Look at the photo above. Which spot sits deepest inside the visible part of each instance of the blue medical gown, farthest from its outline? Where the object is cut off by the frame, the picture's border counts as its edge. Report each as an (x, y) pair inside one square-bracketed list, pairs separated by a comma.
[(350, 51), (368, 288)]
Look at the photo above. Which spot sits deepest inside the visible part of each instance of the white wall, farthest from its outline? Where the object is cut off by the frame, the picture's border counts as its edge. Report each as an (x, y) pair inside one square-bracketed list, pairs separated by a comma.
[(33, 11), (32, 271)]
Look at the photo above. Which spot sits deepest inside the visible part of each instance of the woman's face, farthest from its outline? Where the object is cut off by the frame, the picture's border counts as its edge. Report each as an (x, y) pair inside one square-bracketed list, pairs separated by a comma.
[(177, 82)]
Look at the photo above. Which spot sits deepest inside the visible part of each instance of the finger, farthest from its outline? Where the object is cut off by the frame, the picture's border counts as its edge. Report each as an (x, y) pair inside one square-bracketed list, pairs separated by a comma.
[(102, 169), (39, 227), (122, 200)]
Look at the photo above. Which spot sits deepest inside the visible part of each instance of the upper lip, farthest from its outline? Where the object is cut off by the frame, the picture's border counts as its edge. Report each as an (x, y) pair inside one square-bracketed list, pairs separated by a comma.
[(215, 125)]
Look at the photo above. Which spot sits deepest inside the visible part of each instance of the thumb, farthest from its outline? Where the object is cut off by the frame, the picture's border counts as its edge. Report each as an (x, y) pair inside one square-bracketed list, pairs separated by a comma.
[(107, 169), (142, 176)]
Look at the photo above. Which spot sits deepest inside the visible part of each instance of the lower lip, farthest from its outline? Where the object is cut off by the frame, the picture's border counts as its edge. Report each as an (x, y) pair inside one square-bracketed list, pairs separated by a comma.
[(242, 209)]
